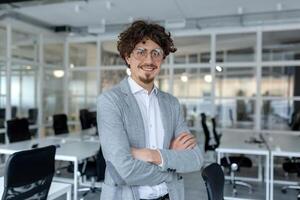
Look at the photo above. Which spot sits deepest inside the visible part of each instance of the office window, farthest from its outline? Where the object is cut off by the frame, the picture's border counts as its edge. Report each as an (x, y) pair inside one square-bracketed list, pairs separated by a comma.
[(109, 54), (23, 88), (82, 54), (2, 87), (236, 113), (2, 43), (277, 114), (195, 49), (236, 81), (280, 81), (192, 108), (83, 91), (53, 94), (192, 82), (236, 47), (24, 46), (109, 78), (162, 80), (83, 83), (281, 45), (54, 54)]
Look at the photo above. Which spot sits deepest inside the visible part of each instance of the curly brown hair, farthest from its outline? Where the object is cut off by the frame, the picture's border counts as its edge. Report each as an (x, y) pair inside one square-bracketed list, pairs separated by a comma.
[(139, 30)]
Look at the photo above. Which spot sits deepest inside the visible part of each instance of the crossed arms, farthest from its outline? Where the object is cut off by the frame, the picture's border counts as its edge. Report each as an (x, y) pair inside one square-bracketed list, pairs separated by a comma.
[(127, 166)]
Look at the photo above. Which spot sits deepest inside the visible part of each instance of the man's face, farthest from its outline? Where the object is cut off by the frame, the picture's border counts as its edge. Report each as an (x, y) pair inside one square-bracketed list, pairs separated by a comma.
[(145, 61)]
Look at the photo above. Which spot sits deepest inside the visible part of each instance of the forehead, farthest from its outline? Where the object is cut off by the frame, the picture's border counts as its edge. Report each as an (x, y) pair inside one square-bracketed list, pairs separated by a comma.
[(148, 44)]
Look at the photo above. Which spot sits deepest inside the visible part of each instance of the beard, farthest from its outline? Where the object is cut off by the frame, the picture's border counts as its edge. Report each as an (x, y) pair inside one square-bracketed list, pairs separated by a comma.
[(147, 79)]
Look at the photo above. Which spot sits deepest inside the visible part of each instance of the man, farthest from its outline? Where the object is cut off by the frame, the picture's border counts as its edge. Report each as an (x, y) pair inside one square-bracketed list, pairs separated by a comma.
[(144, 138)]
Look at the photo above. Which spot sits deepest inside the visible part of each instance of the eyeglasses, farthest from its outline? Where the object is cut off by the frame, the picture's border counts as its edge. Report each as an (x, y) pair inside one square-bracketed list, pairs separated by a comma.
[(141, 54)]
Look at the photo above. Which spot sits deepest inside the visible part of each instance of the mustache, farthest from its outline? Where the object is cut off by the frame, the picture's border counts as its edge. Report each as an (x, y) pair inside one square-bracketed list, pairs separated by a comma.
[(151, 65)]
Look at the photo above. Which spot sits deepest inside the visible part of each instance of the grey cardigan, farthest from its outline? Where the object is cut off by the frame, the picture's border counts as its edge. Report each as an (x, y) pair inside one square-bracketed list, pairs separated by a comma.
[(121, 127)]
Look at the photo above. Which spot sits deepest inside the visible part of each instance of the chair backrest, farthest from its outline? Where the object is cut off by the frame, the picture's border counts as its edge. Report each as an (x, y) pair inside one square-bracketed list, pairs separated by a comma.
[(18, 130), (32, 115), (84, 116), (205, 131), (60, 124), (101, 165), (29, 174), (217, 136), (213, 177)]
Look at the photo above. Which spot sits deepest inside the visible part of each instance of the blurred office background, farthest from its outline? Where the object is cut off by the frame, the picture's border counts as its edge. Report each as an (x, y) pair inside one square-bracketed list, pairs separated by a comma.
[(237, 60)]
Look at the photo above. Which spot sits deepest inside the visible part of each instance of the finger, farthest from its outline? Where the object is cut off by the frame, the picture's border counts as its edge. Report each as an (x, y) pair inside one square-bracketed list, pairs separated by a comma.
[(185, 136), (181, 136), (190, 144)]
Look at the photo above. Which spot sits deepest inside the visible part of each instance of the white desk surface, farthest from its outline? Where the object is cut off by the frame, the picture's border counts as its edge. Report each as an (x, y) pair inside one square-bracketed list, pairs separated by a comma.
[(239, 143), (284, 144), (67, 150), (281, 145), (56, 189)]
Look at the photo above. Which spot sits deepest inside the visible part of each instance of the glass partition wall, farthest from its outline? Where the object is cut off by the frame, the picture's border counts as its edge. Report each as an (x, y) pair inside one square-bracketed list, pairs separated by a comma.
[(244, 77)]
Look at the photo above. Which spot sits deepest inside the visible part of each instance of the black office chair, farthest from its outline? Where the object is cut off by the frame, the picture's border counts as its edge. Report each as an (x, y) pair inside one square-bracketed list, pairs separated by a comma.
[(234, 163), (60, 124), (18, 130), (14, 111), (95, 170), (213, 177), (210, 145), (28, 174), (32, 115), (2, 117), (84, 116), (292, 166)]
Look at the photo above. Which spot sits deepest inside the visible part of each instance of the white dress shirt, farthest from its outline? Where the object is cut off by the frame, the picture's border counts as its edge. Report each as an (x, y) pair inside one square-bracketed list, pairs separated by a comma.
[(148, 104)]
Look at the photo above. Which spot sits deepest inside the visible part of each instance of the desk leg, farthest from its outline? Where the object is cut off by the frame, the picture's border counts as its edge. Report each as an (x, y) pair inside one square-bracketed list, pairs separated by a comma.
[(267, 177), (75, 179), (69, 194), (219, 157), (272, 176)]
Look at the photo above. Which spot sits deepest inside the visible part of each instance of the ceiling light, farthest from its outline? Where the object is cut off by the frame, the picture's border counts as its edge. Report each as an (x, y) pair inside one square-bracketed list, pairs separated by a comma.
[(28, 67), (279, 6), (72, 65), (184, 78), (173, 24), (240, 10), (77, 8), (208, 78), (219, 68), (58, 73), (108, 5)]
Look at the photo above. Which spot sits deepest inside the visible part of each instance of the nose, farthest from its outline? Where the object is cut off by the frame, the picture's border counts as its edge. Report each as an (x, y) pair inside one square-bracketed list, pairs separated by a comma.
[(148, 59)]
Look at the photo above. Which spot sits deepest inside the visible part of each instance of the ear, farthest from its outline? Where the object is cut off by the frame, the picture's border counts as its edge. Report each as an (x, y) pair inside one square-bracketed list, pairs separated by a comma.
[(127, 58)]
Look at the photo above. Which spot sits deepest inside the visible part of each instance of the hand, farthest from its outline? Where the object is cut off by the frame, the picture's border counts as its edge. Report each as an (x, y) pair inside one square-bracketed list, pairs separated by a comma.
[(183, 141), (147, 155)]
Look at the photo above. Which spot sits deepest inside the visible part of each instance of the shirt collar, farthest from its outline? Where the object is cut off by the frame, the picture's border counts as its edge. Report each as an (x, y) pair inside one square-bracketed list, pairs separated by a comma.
[(135, 88)]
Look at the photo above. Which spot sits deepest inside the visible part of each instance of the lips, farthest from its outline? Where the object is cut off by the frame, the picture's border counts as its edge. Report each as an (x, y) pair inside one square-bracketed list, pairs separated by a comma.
[(148, 68)]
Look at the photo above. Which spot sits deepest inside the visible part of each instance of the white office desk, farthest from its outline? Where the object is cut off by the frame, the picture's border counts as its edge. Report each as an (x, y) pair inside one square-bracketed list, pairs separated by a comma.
[(56, 189), (235, 143), (284, 146), (67, 150)]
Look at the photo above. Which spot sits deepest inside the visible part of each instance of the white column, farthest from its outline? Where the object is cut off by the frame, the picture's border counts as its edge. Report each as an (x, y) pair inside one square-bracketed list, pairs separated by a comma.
[(40, 86), (171, 72), (213, 71), (8, 71), (258, 78), (66, 77)]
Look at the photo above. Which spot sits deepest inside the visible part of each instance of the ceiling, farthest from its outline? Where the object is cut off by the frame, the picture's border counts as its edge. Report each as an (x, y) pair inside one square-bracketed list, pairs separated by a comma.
[(108, 15)]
